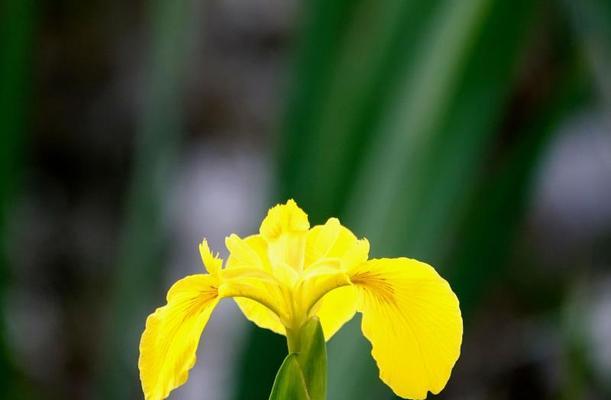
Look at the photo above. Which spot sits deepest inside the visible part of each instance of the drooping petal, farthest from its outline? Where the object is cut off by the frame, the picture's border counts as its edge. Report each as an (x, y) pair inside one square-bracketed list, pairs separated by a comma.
[(169, 342), (213, 263), (326, 243), (284, 229), (339, 305), (412, 319), (251, 252), (336, 308), (260, 315), (317, 282), (259, 296), (326, 291)]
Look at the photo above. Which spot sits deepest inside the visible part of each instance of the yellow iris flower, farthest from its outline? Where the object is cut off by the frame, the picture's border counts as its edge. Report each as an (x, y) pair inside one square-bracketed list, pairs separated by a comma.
[(289, 273)]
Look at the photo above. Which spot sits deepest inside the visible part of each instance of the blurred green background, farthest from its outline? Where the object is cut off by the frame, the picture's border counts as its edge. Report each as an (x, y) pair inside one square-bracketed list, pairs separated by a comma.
[(474, 135)]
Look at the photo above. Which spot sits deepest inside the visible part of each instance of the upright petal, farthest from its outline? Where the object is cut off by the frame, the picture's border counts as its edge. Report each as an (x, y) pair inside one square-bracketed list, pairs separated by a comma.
[(412, 319), (249, 252), (169, 342), (284, 229), (331, 240), (282, 219)]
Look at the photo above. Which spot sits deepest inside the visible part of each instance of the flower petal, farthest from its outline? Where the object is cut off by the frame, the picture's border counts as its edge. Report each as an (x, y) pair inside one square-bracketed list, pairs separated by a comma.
[(251, 252), (336, 308), (260, 298), (314, 284), (328, 243), (282, 219), (213, 263), (412, 319), (169, 342), (326, 291), (330, 240), (260, 315), (284, 229)]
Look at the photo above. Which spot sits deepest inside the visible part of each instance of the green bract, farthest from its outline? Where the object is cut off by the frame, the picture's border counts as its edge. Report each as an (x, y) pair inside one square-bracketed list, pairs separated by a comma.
[(303, 374)]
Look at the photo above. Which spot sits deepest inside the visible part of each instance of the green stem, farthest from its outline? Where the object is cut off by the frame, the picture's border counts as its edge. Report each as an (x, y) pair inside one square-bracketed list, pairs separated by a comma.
[(293, 340)]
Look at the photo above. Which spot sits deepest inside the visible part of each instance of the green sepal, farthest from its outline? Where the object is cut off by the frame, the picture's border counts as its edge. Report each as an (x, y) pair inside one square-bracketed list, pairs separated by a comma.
[(312, 357), (289, 382), (303, 374)]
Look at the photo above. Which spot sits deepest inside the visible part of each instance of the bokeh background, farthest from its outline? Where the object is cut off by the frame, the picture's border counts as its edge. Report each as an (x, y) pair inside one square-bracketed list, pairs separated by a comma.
[(472, 134)]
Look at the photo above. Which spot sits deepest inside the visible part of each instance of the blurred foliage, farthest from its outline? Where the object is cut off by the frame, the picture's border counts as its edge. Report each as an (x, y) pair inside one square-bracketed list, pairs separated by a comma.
[(17, 24), (420, 123), (158, 138), (591, 20)]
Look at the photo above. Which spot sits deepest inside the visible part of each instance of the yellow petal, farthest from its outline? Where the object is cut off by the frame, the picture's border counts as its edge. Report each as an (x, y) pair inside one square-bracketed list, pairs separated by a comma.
[(260, 315), (339, 305), (251, 252), (328, 241), (258, 295), (412, 319), (336, 308), (282, 219), (169, 342), (329, 294), (213, 263), (355, 255), (320, 240), (316, 282), (334, 242), (284, 229)]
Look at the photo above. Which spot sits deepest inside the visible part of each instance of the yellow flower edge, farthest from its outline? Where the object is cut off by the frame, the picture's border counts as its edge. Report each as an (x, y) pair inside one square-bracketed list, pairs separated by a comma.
[(289, 273)]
